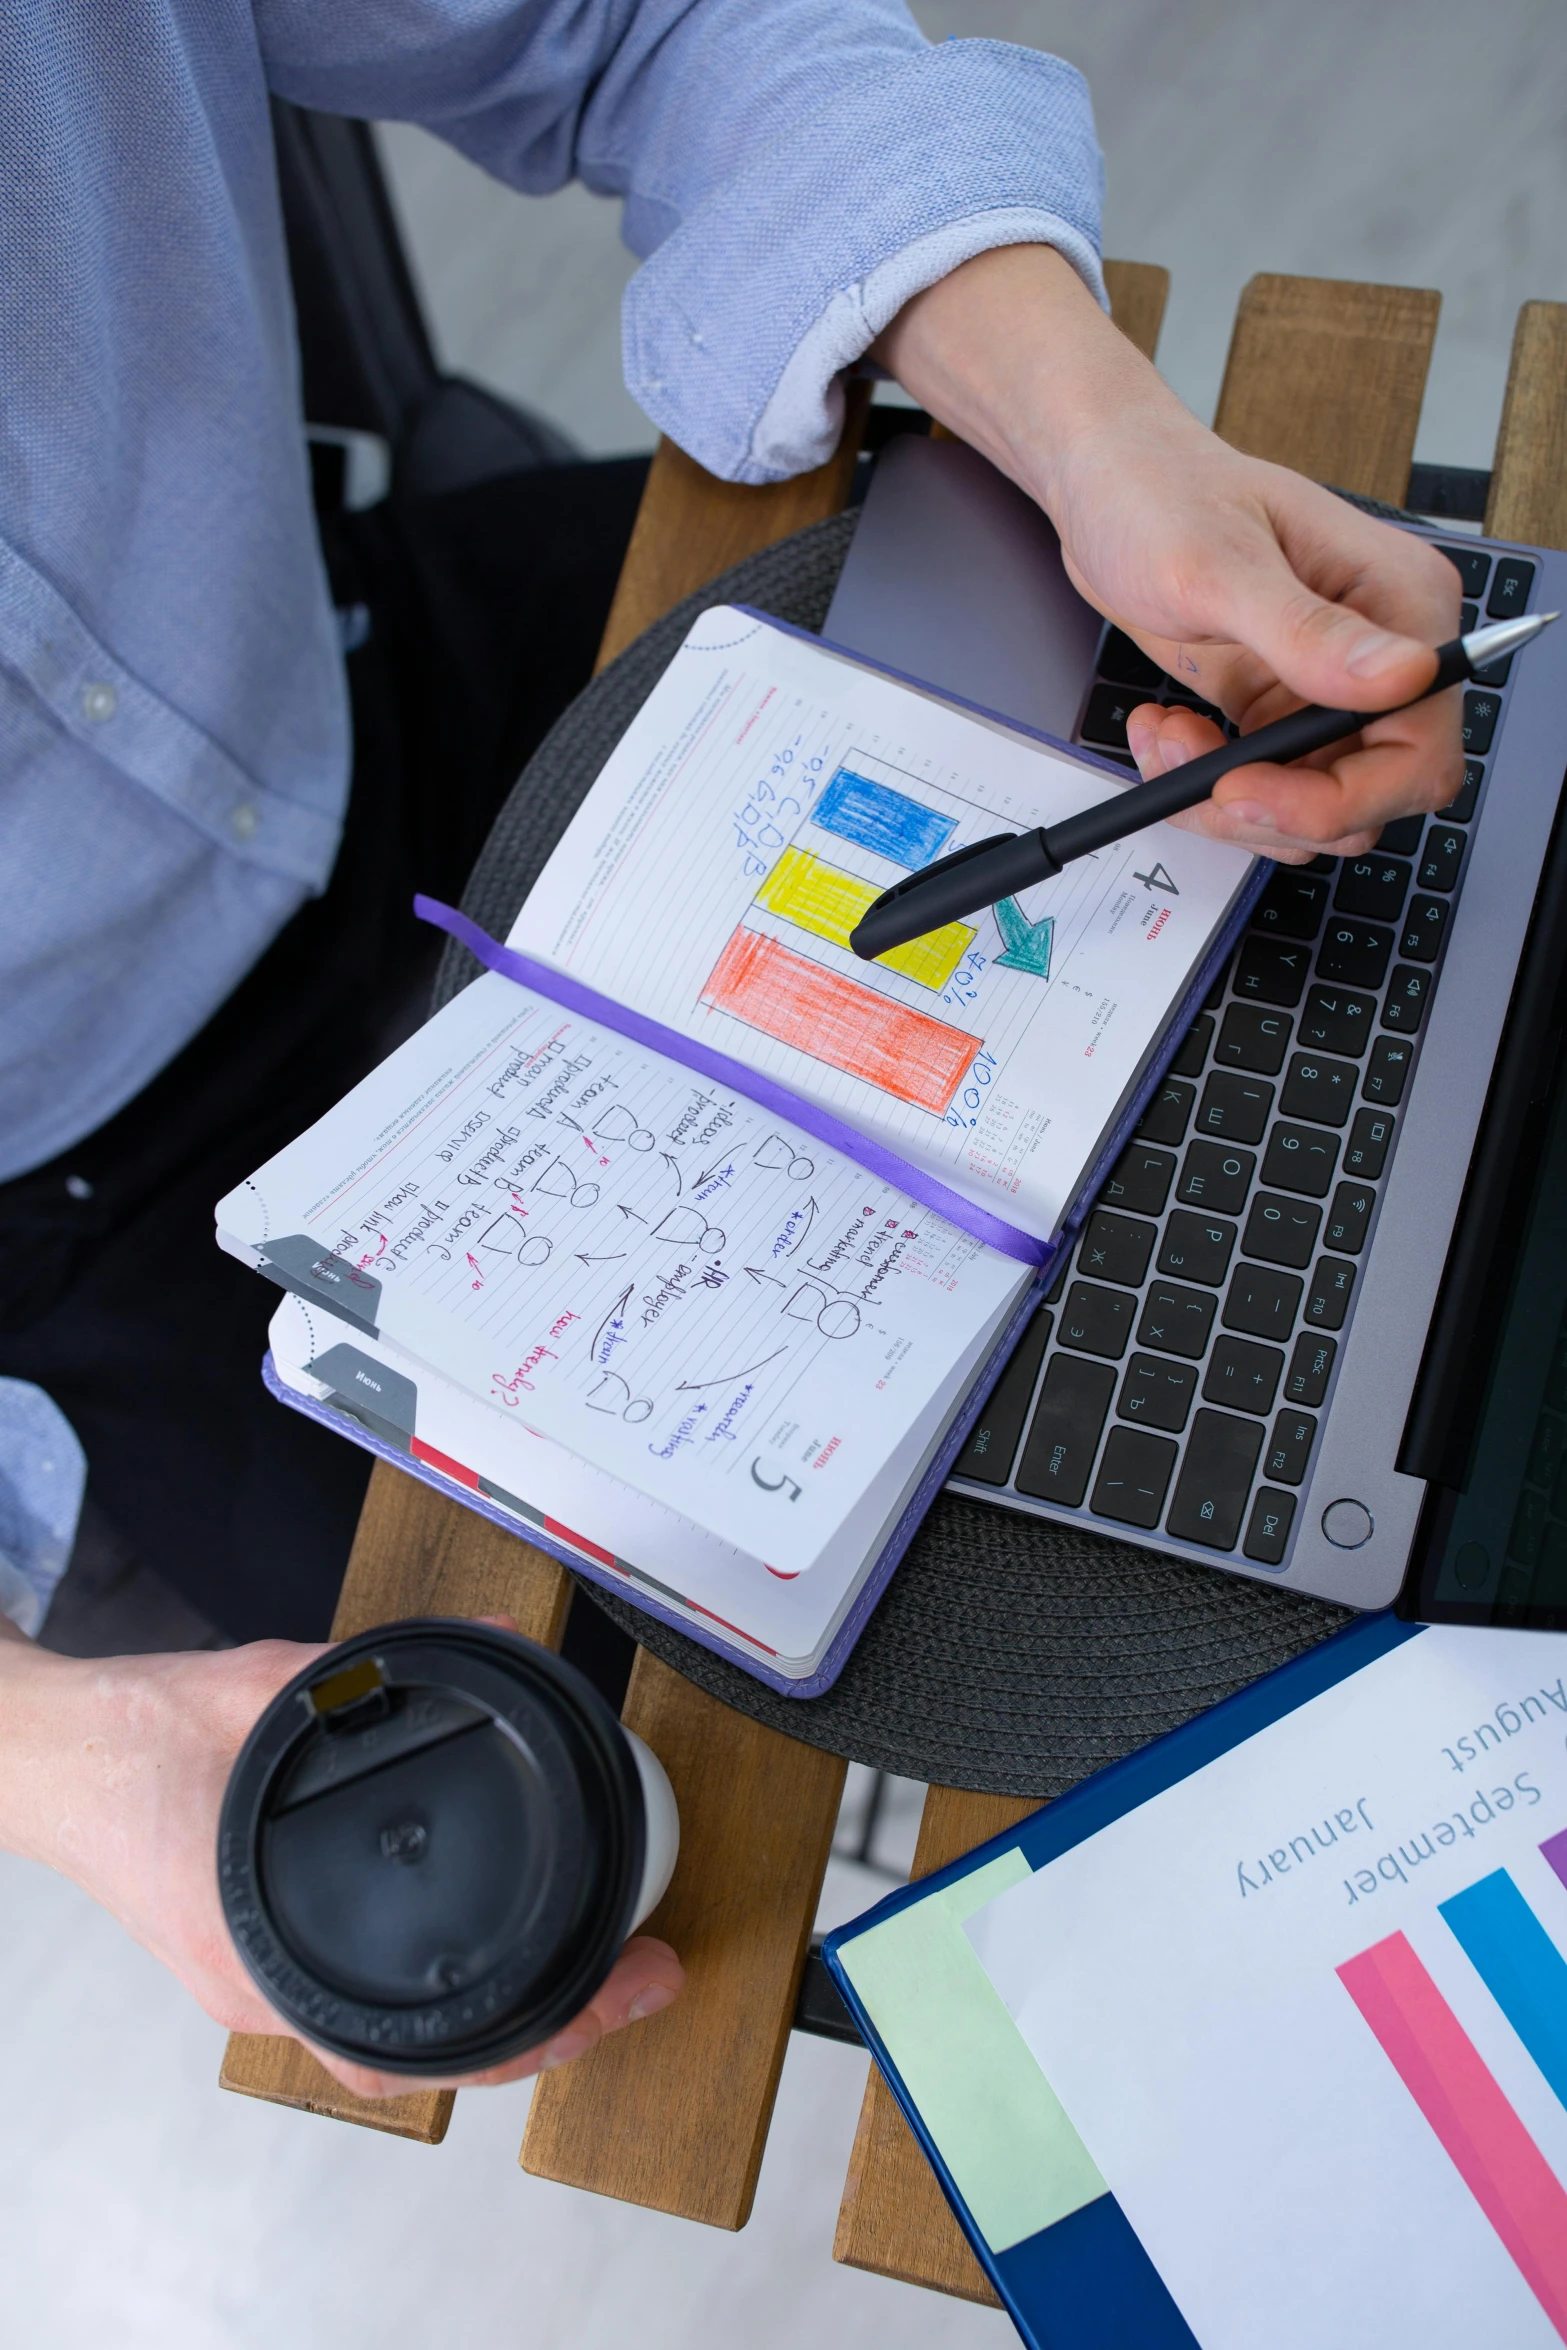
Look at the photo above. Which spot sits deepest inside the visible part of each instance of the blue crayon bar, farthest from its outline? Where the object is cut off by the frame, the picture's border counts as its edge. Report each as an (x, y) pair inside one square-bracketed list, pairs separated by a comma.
[(1519, 1965), (885, 821)]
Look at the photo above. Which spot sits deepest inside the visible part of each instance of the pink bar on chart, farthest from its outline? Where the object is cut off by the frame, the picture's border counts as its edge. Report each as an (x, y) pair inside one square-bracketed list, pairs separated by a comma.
[(1555, 1851), (907, 1054), (1460, 2097)]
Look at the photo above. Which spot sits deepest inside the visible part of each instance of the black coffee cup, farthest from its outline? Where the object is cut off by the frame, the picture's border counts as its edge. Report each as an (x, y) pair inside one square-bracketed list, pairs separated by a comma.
[(433, 1844)]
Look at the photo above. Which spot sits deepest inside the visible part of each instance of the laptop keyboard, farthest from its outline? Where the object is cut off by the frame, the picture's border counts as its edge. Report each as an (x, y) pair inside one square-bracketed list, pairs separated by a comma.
[(1177, 1375)]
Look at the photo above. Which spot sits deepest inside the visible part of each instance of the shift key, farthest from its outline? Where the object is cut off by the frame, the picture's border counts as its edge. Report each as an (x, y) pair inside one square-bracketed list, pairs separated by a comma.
[(1062, 1442), (992, 1442)]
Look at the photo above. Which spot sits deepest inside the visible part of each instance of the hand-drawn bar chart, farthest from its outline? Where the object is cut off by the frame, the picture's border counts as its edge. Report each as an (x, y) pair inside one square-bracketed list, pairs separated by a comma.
[(801, 1003), (887, 822), (824, 899), (1450, 2081)]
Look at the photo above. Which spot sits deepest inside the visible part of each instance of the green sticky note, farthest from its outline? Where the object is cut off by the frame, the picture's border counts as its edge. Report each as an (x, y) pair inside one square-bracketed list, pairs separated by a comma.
[(1015, 2158)]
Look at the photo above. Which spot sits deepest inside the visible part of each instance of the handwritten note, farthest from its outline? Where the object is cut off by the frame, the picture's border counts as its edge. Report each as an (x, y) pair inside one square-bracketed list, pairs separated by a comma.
[(693, 1296)]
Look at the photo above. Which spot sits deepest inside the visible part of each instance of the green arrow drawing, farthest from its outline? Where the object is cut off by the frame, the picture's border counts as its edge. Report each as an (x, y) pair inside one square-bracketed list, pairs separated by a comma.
[(1027, 943)]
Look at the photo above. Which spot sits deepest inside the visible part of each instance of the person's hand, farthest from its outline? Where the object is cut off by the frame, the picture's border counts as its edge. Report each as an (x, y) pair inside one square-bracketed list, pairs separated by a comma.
[(1253, 587), (114, 1774)]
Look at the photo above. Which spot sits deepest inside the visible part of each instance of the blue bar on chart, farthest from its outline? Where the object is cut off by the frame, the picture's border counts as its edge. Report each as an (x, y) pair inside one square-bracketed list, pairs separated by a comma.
[(1519, 1965), (884, 821)]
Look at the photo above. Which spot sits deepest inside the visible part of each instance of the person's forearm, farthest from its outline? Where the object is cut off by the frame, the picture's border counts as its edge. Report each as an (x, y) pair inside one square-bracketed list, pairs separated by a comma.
[(1014, 354), (41, 1734)]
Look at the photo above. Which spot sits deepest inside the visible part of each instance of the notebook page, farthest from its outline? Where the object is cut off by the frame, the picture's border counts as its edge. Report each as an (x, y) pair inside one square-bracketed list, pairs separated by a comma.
[(686, 1292), (765, 793)]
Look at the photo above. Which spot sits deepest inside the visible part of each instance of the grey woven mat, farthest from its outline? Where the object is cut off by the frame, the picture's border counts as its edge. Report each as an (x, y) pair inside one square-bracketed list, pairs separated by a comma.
[(1007, 1654)]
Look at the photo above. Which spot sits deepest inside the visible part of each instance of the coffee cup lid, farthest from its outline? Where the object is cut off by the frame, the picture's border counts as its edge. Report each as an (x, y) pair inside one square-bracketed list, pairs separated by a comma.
[(431, 1847)]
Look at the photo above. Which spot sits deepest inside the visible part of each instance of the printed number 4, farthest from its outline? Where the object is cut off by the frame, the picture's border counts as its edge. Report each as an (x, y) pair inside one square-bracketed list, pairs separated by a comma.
[(778, 1484)]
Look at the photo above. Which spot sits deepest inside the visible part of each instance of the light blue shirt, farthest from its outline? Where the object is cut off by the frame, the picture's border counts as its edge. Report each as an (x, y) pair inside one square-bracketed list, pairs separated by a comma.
[(174, 746)]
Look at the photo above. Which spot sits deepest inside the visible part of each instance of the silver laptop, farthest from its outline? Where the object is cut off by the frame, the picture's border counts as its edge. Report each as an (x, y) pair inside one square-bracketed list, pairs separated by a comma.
[(1310, 1332)]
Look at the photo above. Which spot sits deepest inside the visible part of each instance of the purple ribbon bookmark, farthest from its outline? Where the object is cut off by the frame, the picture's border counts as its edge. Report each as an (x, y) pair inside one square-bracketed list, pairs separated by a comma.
[(735, 1077)]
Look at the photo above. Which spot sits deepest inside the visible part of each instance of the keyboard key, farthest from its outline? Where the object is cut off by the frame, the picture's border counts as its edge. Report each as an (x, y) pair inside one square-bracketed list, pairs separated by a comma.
[(1300, 1158), (1215, 1479), (1213, 1177), (1546, 1449), (1281, 1231), (1319, 1088), (1510, 585), (1292, 905), (1064, 1432), (1401, 838), (1289, 1447), (1188, 1062), (1234, 1108), (1349, 1216), (1529, 1523), (1177, 1320), (1267, 1537), (1271, 970), (1197, 1248), (1157, 1393), (1262, 1302), (1373, 884), (1387, 1071), (1425, 927), (1366, 1152), (1244, 1376), (1459, 811), (1481, 712), (1165, 1118), (1127, 664), (1328, 1293), (1104, 720), (1097, 1321), (1337, 1020), (1253, 1038), (1215, 995), (1134, 1477), (1473, 566), (1495, 672), (1311, 1367), (1354, 953), (1441, 857), (992, 1441), (1116, 1248), (1408, 992), (1140, 1180)]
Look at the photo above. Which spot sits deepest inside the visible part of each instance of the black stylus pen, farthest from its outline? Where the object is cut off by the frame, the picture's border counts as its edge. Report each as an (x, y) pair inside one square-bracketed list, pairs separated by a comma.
[(1007, 862)]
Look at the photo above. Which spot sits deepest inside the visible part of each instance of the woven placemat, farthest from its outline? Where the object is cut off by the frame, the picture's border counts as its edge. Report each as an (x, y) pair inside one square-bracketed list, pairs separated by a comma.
[(1007, 1654)]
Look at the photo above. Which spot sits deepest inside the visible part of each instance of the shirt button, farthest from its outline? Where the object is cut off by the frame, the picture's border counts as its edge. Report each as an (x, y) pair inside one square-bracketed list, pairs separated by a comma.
[(98, 702), (244, 821)]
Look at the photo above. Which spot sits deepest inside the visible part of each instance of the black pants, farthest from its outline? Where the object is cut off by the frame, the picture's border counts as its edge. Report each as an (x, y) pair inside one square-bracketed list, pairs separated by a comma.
[(486, 609)]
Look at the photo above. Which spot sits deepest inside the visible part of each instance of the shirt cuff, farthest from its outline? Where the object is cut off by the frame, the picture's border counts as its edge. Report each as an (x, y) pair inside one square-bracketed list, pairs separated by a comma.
[(43, 1474), (737, 328)]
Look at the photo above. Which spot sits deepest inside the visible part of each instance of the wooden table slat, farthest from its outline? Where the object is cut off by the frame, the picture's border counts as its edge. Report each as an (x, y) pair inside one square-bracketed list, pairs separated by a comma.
[(1529, 481), (1138, 292), (674, 2111), (1328, 377)]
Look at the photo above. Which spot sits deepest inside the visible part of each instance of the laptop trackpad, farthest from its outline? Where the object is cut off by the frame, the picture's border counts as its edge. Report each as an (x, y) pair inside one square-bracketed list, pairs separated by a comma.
[(954, 576)]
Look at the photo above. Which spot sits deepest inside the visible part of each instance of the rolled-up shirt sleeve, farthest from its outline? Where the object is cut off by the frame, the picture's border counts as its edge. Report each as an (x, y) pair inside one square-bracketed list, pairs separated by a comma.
[(792, 171)]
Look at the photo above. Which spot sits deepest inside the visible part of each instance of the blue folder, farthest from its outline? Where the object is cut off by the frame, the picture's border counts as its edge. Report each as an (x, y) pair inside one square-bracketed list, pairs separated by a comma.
[(978, 2103)]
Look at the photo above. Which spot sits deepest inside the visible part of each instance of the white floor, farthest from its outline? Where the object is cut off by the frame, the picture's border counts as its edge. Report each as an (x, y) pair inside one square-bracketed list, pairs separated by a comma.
[(1418, 142), (142, 2207)]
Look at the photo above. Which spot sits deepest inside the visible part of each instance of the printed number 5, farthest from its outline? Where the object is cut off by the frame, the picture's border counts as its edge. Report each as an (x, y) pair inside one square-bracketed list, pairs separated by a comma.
[(777, 1486)]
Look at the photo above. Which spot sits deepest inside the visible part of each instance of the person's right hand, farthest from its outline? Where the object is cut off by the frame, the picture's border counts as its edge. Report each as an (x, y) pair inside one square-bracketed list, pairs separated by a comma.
[(114, 1774)]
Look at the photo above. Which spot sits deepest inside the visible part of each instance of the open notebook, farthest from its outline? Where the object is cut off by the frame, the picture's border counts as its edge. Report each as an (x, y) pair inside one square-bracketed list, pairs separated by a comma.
[(681, 1236)]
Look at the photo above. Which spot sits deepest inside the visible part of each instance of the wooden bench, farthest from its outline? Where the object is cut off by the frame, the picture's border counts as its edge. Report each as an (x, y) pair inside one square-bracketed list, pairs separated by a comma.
[(1324, 376)]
